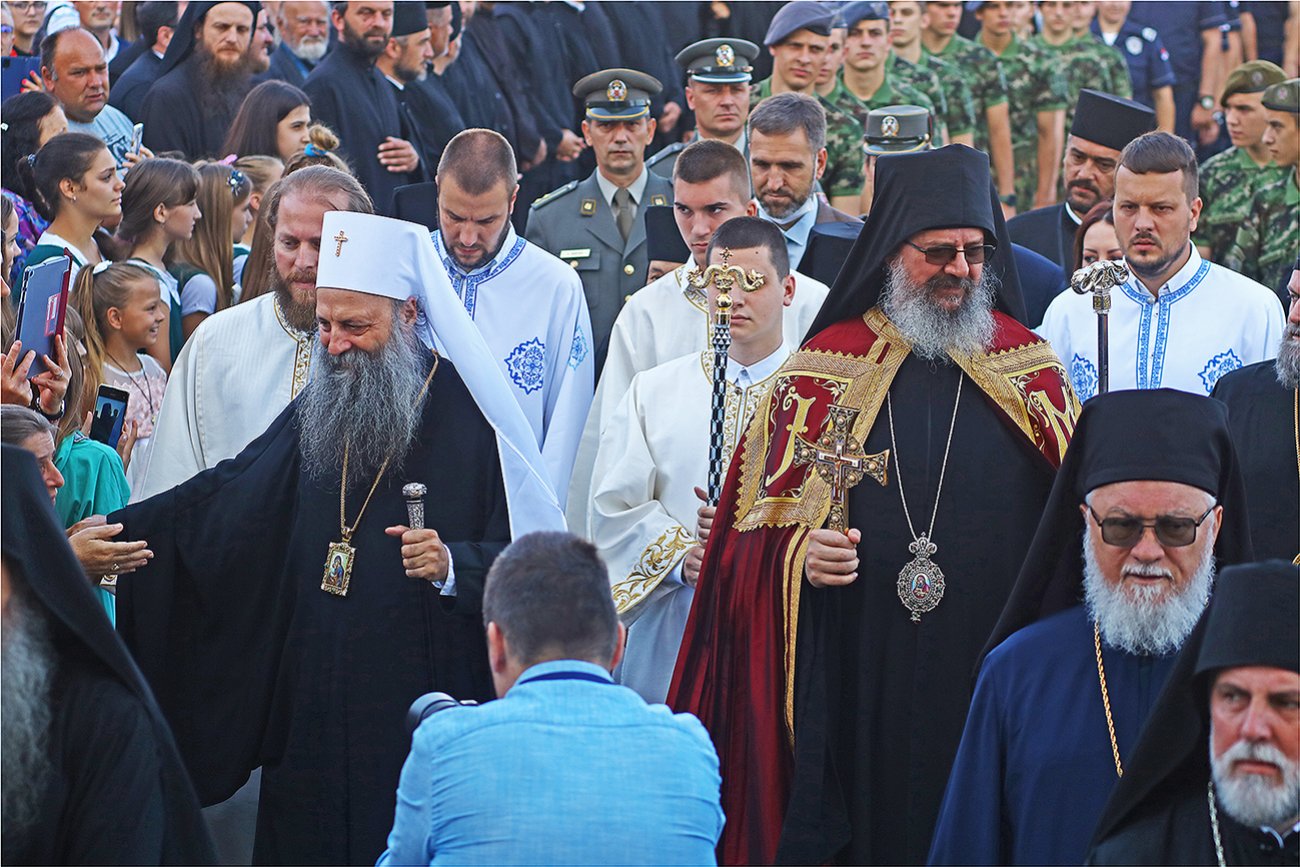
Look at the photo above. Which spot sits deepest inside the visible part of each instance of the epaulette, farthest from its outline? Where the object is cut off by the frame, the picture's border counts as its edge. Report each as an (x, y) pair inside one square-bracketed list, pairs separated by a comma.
[(554, 194), (675, 147), (1149, 34)]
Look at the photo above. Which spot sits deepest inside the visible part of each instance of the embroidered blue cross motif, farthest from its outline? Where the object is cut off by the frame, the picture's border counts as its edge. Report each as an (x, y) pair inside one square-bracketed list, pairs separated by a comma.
[(1084, 377), (526, 364), (578, 352), (1224, 362)]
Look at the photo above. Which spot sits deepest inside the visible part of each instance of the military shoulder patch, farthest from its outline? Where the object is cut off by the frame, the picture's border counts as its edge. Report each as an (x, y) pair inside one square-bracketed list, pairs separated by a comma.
[(659, 156), (658, 199), (555, 194)]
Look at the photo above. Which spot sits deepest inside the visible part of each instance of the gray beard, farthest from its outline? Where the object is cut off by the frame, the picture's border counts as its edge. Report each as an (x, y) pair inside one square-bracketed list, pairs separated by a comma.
[(1148, 621), (311, 50), (364, 402), (1288, 358), (936, 334), (1250, 799), (28, 666)]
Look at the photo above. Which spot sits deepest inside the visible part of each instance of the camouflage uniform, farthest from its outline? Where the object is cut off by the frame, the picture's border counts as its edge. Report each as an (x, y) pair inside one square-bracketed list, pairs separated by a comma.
[(959, 113), (926, 80), (979, 69), (1034, 84), (1269, 238), (892, 91), (1086, 62), (1229, 180), (844, 159)]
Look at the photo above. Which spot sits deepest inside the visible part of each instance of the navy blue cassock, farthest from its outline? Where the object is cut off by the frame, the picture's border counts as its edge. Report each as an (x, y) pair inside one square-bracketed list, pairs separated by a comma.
[(1035, 765)]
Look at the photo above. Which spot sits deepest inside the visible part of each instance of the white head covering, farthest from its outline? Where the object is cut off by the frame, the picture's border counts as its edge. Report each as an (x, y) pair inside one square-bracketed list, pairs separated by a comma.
[(396, 259)]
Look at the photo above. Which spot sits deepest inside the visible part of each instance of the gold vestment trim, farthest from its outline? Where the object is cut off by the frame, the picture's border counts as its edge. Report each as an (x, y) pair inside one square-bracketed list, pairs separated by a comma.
[(655, 562)]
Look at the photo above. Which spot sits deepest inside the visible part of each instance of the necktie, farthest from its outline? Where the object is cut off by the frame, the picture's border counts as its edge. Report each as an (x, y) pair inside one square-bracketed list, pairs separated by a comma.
[(624, 211)]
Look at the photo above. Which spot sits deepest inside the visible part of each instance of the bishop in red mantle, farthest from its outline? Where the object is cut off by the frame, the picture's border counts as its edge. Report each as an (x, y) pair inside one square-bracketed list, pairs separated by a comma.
[(833, 668)]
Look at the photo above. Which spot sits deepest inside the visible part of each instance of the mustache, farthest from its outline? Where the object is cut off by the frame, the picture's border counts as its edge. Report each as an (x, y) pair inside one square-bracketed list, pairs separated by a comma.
[(1146, 570), (1083, 184)]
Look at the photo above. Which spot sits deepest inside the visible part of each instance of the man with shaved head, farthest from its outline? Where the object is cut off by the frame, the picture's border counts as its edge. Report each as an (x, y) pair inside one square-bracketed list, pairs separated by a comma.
[(529, 305)]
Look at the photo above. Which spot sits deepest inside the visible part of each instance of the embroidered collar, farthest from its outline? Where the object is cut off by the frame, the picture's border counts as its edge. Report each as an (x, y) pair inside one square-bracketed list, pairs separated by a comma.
[(743, 377), (295, 333), (466, 283), (1178, 286)]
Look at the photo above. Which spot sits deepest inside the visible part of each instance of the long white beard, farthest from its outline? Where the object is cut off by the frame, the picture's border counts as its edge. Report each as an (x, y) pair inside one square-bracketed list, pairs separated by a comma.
[(365, 402), (312, 49), (935, 333), (1249, 798), (26, 673), (1288, 358), (1149, 620)]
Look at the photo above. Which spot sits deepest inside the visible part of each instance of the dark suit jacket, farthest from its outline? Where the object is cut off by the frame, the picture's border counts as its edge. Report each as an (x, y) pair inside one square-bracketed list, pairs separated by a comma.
[(827, 214)]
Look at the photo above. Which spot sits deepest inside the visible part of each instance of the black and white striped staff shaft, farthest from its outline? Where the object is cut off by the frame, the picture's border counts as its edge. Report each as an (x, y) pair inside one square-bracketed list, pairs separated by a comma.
[(717, 430)]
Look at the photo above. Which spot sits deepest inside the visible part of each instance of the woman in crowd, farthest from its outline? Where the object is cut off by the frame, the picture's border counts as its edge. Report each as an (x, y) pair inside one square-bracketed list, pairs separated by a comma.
[(262, 172), (273, 121), (1095, 239), (159, 209), (9, 248), (30, 120), (74, 179), (204, 264), (124, 315)]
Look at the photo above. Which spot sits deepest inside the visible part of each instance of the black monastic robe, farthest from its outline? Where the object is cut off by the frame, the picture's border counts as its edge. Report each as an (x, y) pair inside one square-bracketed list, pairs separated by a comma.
[(1047, 231), (1261, 416), (352, 98), (176, 118), (255, 665)]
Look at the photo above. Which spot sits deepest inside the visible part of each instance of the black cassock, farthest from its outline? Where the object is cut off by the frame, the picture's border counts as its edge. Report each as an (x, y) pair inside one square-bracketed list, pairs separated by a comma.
[(352, 98), (881, 700), (1261, 416), (254, 665), (1047, 231), (176, 118)]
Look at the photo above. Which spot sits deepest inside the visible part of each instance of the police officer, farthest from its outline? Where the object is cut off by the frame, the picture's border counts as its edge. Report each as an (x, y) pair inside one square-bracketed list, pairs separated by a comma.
[(598, 225), (718, 74), (1149, 68)]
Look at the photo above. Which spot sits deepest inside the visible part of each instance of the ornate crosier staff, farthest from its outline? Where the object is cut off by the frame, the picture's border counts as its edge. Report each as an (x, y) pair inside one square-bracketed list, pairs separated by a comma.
[(725, 277), (1098, 279)]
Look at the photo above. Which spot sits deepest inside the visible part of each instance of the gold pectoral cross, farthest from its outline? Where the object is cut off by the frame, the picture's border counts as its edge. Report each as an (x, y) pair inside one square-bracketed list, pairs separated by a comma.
[(839, 460), (339, 240)]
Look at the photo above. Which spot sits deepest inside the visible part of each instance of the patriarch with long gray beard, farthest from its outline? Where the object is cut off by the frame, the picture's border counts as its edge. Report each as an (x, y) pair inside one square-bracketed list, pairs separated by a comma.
[(334, 608), (1151, 488), (1216, 776), (1262, 404), (951, 418), (90, 772)]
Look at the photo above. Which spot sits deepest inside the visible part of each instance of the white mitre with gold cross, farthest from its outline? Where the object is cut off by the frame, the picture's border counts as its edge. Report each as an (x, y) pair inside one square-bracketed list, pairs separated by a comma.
[(396, 259)]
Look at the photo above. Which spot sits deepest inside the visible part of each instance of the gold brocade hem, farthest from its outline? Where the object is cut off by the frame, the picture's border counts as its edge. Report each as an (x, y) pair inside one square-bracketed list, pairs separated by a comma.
[(301, 353), (852, 381), (792, 583), (655, 562)]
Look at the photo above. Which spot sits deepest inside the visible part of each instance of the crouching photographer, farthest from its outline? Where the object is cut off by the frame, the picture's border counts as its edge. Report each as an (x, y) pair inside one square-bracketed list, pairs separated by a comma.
[(539, 776)]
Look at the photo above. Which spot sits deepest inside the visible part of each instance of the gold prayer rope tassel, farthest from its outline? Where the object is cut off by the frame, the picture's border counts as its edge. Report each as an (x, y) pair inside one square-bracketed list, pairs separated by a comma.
[(1105, 700), (726, 276)]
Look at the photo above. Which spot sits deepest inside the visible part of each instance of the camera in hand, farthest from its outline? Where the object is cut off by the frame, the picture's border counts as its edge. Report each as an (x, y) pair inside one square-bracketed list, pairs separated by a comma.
[(428, 704)]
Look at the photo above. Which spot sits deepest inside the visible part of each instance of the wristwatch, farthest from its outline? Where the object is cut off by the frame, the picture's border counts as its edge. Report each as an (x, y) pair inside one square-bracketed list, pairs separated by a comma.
[(1009, 200), (1207, 102)]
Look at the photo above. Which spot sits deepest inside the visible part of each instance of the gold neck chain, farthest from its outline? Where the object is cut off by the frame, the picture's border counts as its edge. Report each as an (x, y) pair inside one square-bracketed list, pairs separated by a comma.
[(1105, 700), (343, 485)]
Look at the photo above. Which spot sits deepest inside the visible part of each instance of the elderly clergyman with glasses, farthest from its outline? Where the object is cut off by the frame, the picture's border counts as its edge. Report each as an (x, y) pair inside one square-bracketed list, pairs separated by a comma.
[(886, 494), (1152, 491)]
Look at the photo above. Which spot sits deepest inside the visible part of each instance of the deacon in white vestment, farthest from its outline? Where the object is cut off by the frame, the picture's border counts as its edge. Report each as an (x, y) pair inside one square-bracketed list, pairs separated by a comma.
[(1204, 322), (654, 453), (668, 318), (242, 365), (528, 305), (1178, 321)]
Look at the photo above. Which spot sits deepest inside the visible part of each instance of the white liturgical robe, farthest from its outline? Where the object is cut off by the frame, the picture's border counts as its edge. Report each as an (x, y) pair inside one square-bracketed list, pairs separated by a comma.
[(532, 313), (653, 452), (1205, 322), (665, 320), (236, 373)]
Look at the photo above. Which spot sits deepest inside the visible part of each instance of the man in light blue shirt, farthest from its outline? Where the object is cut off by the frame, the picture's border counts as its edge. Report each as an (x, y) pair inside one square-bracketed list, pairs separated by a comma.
[(539, 776)]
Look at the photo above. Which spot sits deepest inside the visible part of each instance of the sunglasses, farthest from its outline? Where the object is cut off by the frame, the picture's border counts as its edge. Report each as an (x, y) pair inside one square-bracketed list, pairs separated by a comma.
[(1170, 531), (942, 255)]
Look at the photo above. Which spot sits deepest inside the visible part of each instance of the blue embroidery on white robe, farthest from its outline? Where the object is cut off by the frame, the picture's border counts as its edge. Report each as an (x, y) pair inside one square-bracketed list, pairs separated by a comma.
[(466, 284), (1153, 376), (526, 364), (1224, 362), (579, 350), (1083, 375)]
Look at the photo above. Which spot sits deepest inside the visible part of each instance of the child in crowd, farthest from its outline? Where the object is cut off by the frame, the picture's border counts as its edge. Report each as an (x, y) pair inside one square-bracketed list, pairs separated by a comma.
[(204, 264)]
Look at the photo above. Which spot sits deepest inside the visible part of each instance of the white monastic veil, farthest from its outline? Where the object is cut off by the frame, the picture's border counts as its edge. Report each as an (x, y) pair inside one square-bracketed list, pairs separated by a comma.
[(397, 259)]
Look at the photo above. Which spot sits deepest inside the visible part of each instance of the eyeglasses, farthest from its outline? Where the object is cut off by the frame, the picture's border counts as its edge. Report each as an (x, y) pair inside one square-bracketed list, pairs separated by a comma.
[(975, 254), (1171, 532), (22, 6), (6, 29)]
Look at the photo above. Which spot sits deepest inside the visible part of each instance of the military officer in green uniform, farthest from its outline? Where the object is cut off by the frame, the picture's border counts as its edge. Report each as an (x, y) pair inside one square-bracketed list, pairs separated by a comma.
[(718, 75), (1036, 99), (598, 225), (1269, 238), (939, 79), (798, 39), (981, 70), (1229, 179)]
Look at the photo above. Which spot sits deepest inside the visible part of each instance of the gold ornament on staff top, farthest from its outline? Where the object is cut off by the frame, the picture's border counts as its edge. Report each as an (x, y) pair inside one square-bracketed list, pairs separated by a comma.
[(839, 459), (726, 276)]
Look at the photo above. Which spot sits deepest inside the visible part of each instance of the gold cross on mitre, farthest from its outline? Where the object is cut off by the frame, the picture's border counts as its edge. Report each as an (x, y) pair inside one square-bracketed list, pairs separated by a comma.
[(839, 460), (339, 240), (725, 276)]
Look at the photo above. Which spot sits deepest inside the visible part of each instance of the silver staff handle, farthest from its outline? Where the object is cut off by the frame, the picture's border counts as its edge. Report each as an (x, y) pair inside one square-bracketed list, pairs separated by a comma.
[(1098, 279), (414, 494)]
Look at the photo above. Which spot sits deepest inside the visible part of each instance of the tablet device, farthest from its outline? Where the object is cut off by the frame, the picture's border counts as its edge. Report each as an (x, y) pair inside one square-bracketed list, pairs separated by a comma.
[(12, 72), (44, 305)]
